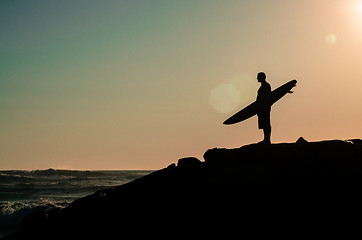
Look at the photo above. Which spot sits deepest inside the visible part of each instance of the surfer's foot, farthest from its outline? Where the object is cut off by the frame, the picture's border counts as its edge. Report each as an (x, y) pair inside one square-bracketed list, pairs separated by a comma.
[(265, 142)]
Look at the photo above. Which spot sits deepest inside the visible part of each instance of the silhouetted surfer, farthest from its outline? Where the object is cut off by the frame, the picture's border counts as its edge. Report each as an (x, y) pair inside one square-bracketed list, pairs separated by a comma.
[(264, 115)]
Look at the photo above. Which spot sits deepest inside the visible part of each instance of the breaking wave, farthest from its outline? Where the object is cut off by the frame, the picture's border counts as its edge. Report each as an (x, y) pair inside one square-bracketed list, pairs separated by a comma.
[(23, 192)]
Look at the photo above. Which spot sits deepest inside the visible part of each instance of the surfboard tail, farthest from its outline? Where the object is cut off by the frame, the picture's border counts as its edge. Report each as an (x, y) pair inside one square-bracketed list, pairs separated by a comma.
[(227, 122)]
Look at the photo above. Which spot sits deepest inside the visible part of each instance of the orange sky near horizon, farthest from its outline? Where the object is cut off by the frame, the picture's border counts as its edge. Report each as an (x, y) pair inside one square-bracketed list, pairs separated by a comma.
[(140, 84)]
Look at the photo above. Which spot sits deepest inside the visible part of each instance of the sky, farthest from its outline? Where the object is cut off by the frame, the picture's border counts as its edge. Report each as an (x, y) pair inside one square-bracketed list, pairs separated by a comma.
[(139, 84)]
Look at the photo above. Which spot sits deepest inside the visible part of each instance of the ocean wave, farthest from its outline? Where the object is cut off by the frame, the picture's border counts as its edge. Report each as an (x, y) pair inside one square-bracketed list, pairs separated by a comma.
[(50, 174), (13, 212), (11, 207), (6, 177), (23, 192), (22, 174), (29, 185)]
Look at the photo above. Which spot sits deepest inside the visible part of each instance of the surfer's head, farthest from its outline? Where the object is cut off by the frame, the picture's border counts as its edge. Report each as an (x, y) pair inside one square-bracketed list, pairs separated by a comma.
[(261, 77)]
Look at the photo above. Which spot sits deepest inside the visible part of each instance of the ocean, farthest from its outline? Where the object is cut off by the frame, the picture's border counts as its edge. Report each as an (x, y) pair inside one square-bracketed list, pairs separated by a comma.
[(23, 192)]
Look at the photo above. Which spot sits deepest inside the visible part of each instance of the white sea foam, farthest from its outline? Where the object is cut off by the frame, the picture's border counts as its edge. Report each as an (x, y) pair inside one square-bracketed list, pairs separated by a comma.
[(23, 192)]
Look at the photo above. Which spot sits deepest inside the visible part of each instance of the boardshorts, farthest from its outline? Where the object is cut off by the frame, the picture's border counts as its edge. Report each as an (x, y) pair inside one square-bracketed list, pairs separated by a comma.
[(264, 120)]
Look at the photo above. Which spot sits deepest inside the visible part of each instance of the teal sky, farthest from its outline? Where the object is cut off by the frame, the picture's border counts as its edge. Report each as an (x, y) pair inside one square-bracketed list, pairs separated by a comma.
[(88, 84)]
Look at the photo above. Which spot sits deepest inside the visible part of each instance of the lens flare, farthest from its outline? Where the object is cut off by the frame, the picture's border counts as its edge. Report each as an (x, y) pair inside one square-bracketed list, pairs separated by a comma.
[(331, 39), (224, 98)]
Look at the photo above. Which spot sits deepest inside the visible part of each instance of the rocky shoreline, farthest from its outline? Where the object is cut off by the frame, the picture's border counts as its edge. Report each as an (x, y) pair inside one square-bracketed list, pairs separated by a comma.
[(233, 190)]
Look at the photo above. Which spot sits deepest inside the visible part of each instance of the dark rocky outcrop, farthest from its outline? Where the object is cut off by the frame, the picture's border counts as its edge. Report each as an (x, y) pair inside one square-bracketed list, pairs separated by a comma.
[(189, 162), (287, 185)]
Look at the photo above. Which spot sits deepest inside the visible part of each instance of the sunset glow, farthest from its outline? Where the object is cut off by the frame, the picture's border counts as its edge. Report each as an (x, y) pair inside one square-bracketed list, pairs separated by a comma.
[(354, 9), (358, 7), (140, 84)]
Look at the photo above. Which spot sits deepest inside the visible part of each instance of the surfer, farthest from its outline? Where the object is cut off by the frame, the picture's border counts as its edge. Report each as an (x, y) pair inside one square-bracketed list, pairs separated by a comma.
[(262, 106), (264, 114)]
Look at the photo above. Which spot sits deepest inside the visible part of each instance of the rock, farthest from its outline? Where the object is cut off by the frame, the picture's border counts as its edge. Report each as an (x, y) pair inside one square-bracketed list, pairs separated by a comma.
[(355, 141), (216, 154), (172, 165), (301, 140), (189, 162), (280, 184)]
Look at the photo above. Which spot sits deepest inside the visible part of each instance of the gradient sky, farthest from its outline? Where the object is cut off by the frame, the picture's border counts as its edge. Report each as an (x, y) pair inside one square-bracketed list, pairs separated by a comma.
[(138, 84)]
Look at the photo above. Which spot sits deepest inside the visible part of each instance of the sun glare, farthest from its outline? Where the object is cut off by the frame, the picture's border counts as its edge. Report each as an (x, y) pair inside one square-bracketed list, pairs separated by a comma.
[(356, 9), (354, 12), (359, 7)]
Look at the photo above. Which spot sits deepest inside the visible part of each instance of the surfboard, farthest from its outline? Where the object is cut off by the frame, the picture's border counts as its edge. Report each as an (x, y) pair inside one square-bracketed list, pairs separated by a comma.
[(252, 109)]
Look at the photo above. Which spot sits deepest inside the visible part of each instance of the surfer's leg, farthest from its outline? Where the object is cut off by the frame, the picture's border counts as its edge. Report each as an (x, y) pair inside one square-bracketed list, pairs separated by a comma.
[(267, 134), (264, 123)]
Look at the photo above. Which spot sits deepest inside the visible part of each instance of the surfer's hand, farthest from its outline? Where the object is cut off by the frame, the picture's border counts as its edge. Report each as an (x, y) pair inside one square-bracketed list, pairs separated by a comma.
[(290, 92)]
